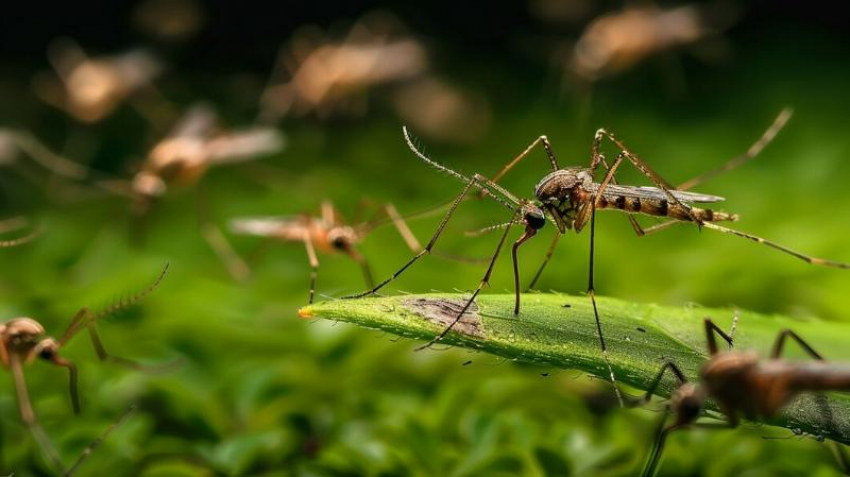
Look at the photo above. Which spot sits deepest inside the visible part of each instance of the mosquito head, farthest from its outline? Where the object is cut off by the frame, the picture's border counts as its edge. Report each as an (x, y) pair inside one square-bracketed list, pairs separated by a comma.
[(687, 403), (47, 349), (342, 238), (21, 334), (533, 216)]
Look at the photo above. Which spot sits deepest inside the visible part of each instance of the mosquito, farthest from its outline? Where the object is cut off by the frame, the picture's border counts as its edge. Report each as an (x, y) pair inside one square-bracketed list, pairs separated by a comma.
[(90, 89), (23, 341), (330, 233), (743, 384), (569, 197)]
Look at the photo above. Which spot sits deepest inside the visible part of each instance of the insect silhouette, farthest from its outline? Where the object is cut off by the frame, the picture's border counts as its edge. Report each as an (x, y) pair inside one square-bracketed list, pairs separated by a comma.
[(569, 197), (742, 384), (23, 341)]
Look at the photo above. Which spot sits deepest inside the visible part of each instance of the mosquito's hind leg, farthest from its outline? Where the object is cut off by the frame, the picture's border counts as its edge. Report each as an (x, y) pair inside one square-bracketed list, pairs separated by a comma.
[(806, 258), (98, 441), (314, 263), (741, 159), (779, 345)]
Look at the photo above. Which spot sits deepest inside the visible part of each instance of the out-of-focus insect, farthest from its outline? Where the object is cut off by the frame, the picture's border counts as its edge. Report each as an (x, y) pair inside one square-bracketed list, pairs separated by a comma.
[(22, 341), (13, 224), (328, 233), (569, 197), (615, 42), (90, 89), (194, 145), (169, 20), (743, 385), (323, 75)]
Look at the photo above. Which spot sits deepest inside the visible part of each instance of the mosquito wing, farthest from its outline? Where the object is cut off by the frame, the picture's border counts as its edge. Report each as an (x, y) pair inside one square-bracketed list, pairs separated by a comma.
[(268, 226), (654, 193), (245, 145)]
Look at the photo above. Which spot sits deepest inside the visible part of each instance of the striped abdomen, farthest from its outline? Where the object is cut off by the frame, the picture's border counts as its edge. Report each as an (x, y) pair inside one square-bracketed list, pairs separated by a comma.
[(661, 207)]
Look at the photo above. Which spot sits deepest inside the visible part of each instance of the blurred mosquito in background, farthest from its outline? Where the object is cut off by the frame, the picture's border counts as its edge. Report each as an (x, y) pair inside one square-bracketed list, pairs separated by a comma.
[(331, 233), (742, 384), (321, 74), (22, 341), (90, 89), (569, 197)]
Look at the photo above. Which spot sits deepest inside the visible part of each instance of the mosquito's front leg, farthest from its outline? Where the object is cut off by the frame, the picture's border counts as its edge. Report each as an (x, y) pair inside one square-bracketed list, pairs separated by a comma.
[(546, 259), (711, 329), (28, 415), (529, 232), (484, 281), (779, 344), (547, 146), (428, 247)]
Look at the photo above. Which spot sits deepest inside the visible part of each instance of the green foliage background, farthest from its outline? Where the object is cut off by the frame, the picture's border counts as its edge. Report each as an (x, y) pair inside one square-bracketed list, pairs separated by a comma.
[(263, 393)]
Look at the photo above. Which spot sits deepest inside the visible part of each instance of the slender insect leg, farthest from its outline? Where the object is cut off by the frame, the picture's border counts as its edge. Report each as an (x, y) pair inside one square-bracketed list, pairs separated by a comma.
[(640, 165), (592, 294), (657, 448), (667, 366), (427, 248), (403, 229), (364, 266), (484, 281), (741, 159), (236, 266), (314, 262), (105, 356), (710, 330), (73, 380), (546, 259), (529, 232), (97, 442), (779, 344), (547, 146), (329, 213), (781, 248), (28, 415)]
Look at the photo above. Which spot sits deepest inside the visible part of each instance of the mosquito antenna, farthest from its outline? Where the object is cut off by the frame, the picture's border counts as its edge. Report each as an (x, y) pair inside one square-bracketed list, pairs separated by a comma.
[(486, 230), (484, 187), (85, 317)]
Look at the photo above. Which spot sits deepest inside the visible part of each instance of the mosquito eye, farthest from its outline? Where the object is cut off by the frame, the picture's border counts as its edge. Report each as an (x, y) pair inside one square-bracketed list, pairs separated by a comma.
[(535, 221), (47, 353), (339, 243)]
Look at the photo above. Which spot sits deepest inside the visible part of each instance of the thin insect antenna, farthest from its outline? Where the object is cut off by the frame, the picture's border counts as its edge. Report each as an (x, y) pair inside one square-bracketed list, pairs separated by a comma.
[(135, 298), (21, 240), (478, 180), (97, 442), (486, 230), (411, 143)]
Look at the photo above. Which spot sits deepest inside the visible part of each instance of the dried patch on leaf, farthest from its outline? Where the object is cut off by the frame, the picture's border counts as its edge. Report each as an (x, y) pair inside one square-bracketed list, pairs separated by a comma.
[(443, 312)]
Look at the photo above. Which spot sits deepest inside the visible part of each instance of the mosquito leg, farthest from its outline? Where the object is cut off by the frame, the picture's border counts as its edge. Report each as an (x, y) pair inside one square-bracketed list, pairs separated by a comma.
[(97, 442), (657, 449), (710, 330), (314, 263), (529, 232), (548, 257), (779, 345), (547, 146), (403, 229), (28, 415), (236, 266), (427, 248), (806, 258), (364, 266), (592, 294), (741, 159), (329, 213), (105, 356), (653, 386), (484, 281)]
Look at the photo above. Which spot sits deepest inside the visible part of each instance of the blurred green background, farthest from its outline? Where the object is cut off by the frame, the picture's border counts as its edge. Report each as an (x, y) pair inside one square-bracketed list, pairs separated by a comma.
[(261, 392)]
